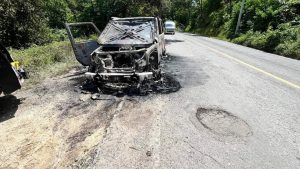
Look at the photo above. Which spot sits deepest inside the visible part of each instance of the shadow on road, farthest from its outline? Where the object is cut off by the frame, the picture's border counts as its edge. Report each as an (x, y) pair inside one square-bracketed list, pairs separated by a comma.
[(188, 72), (8, 107), (169, 41), (198, 35)]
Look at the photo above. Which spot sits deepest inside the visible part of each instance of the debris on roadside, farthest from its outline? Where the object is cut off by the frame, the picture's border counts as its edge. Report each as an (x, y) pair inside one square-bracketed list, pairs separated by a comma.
[(149, 153), (167, 84)]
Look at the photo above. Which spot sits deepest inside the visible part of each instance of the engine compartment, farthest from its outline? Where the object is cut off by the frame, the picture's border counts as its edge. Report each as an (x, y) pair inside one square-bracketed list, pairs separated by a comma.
[(129, 51)]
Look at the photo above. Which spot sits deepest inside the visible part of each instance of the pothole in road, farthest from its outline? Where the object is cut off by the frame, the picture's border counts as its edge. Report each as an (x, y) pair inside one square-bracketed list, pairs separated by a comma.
[(223, 123)]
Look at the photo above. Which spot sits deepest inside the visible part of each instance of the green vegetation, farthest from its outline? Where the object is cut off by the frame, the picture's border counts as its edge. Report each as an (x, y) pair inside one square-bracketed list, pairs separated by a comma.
[(27, 22), (46, 61), (272, 27), (22, 22), (269, 25), (35, 28)]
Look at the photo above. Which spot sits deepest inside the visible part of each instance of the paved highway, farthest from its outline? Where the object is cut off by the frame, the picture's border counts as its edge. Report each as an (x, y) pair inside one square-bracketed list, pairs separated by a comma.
[(238, 108)]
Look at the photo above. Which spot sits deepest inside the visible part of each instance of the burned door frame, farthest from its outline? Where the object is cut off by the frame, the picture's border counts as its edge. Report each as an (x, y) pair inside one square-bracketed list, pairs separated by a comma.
[(83, 50), (161, 35)]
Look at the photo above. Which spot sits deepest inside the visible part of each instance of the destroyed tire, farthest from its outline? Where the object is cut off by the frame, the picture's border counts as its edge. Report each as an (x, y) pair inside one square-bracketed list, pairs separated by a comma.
[(167, 84)]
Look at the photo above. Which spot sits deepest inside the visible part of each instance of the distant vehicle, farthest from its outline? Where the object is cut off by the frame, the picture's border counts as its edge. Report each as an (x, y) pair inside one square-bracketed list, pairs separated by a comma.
[(128, 51), (170, 27), (11, 74)]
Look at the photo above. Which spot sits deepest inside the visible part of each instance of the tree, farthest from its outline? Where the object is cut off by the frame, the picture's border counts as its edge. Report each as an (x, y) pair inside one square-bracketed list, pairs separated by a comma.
[(57, 13), (22, 22)]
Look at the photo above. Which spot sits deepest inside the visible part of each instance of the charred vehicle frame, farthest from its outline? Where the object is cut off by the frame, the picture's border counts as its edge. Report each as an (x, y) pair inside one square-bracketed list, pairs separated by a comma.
[(128, 51)]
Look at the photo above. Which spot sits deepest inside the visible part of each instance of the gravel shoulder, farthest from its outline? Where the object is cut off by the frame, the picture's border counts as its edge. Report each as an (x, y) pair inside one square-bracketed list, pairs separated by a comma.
[(52, 125)]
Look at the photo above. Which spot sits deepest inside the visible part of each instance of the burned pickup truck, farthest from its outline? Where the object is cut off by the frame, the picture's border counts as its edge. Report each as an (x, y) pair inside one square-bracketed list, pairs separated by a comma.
[(127, 52)]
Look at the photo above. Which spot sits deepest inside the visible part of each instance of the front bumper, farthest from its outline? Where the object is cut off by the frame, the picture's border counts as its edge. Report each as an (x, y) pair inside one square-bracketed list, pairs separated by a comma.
[(119, 81), (170, 31), (121, 77)]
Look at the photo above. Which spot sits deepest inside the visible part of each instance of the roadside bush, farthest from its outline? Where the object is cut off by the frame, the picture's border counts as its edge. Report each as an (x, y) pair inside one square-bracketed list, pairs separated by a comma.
[(58, 35), (45, 61), (284, 41), (290, 40), (289, 48), (266, 41), (39, 56)]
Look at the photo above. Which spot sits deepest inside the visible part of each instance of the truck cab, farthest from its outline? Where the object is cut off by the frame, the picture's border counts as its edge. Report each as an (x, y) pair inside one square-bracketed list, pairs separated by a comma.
[(127, 52)]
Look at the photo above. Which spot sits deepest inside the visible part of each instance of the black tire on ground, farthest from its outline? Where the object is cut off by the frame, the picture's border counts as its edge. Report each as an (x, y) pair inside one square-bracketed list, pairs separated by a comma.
[(164, 53)]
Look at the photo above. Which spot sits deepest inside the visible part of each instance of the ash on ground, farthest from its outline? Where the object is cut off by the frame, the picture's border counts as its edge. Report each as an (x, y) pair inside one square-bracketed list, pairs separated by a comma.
[(167, 84)]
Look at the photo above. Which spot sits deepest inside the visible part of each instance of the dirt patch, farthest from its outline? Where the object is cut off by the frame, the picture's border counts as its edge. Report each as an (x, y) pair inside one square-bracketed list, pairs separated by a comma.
[(223, 123), (56, 124), (52, 125)]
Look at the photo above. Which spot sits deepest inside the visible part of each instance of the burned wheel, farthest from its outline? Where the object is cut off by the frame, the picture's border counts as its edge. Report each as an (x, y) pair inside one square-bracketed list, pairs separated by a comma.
[(167, 84)]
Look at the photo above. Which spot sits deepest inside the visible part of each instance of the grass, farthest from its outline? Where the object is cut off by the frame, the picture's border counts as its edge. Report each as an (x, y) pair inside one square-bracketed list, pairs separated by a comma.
[(285, 42), (46, 61)]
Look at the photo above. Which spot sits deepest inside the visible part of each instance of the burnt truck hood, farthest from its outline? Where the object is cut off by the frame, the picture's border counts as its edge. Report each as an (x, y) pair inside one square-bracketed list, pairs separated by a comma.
[(128, 33)]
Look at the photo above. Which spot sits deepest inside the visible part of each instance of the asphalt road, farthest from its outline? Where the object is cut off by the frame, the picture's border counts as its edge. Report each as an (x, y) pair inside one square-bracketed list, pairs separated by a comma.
[(238, 108)]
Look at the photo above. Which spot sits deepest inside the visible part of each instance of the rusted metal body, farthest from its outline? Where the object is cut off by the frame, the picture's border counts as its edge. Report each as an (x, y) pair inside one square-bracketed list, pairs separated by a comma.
[(128, 51)]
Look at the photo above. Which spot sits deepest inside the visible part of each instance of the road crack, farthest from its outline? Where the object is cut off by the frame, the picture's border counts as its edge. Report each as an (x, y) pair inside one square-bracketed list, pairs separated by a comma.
[(204, 154)]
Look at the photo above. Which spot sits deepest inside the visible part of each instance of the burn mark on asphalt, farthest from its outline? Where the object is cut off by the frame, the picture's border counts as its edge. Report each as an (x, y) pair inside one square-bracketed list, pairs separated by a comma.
[(86, 130), (167, 84), (170, 41), (223, 123), (189, 75), (95, 119)]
